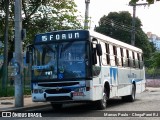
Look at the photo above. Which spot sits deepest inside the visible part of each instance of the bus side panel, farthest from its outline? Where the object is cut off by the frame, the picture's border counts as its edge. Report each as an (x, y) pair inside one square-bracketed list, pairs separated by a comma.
[(99, 81), (109, 75), (97, 88), (140, 81), (124, 83)]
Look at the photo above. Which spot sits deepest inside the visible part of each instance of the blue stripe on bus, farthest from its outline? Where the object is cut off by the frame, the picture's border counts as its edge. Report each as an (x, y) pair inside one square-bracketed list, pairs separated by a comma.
[(136, 80), (113, 73)]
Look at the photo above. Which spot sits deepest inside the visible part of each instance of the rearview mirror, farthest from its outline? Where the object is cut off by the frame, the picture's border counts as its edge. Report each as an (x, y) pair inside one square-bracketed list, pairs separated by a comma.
[(99, 49)]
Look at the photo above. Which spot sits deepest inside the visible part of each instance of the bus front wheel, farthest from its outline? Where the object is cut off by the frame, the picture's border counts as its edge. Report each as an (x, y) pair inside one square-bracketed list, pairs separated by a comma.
[(56, 106), (102, 104)]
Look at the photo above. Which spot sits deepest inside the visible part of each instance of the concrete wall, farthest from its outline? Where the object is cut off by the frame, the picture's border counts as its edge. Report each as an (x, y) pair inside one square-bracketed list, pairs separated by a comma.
[(152, 82)]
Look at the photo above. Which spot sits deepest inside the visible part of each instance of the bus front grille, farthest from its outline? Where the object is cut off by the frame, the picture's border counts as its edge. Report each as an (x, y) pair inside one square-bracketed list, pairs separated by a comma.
[(57, 84), (55, 91)]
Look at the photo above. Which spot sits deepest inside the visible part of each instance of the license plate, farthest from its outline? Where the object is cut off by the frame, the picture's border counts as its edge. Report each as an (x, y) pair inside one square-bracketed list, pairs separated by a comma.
[(78, 94)]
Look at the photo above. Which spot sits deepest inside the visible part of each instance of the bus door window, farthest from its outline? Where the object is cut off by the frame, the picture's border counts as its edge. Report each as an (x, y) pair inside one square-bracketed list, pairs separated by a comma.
[(96, 67)]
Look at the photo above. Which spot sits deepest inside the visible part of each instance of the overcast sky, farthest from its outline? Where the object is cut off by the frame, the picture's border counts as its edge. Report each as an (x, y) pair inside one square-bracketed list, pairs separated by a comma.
[(149, 15)]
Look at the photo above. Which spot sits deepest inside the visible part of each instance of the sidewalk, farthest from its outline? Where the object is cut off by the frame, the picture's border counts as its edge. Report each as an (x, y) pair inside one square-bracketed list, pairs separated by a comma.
[(7, 103)]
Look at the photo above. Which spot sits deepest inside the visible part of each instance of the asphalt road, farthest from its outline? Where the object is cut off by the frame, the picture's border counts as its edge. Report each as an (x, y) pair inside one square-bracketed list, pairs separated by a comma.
[(146, 104)]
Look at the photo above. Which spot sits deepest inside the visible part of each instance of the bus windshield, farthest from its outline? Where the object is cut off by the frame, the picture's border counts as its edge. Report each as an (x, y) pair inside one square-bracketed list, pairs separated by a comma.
[(59, 60)]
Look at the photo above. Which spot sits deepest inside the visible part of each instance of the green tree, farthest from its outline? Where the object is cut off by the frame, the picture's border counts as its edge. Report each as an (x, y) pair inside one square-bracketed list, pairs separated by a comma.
[(118, 26), (50, 15), (149, 1), (154, 60), (40, 16)]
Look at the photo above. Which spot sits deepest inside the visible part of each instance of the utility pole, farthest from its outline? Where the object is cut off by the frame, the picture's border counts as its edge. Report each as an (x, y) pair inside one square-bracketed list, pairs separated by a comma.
[(19, 102), (133, 21), (86, 14), (133, 26), (5, 54)]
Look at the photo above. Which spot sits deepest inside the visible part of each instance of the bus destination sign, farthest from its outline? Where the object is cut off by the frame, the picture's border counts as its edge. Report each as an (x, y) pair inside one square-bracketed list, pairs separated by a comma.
[(62, 35)]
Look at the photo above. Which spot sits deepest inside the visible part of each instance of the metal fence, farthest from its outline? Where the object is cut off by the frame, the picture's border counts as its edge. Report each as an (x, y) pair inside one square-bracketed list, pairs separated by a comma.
[(153, 73), (9, 86)]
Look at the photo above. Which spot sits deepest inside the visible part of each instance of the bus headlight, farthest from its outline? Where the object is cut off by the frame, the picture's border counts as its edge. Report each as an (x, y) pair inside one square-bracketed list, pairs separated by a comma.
[(80, 89), (36, 91)]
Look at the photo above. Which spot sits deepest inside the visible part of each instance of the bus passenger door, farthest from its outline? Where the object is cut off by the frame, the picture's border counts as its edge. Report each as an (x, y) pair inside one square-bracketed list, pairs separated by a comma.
[(96, 70)]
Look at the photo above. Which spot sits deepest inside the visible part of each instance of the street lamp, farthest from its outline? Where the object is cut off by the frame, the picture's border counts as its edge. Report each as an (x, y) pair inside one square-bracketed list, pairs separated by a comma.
[(86, 14)]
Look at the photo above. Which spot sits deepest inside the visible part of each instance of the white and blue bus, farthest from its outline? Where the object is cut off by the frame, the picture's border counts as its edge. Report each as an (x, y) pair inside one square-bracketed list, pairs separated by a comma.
[(83, 66)]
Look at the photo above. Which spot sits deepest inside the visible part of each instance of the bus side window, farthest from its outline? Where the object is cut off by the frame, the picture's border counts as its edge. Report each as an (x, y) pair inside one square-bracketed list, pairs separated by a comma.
[(133, 56), (104, 55), (127, 59), (115, 55), (141, 61), (112, 57), (138, 60), (130, 58), (107, 53), (119, 60), (122, 55)]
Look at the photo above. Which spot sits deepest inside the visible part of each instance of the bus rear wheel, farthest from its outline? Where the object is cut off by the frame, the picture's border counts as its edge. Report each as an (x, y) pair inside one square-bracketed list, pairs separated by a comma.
[(130, 98), (102, 104)]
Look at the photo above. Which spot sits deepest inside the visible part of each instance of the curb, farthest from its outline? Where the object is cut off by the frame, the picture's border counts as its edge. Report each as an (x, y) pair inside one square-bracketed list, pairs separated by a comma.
[(9, 98), (25, 108)]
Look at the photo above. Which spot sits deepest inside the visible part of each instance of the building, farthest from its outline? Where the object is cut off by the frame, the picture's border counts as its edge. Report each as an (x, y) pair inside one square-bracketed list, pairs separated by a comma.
[(154, 39)]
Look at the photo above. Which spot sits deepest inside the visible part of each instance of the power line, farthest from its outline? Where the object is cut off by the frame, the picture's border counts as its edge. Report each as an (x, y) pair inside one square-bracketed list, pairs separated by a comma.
[(120, 26)]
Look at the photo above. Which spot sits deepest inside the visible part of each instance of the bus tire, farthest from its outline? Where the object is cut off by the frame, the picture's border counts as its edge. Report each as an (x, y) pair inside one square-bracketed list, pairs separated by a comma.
[(102, 104), (130, 98), (57, 107)]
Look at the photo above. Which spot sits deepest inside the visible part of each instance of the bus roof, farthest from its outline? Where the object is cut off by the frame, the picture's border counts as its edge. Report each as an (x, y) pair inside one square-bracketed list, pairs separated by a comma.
[(80, 34), (113, 41)]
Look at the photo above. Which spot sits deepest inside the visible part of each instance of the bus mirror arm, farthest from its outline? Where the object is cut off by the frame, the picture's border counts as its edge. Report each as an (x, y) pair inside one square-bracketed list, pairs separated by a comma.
[(27, 57), (28, 53)]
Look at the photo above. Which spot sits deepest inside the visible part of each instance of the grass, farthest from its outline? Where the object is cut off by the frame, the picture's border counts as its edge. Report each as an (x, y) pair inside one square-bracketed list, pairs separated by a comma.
[(10, 89)]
